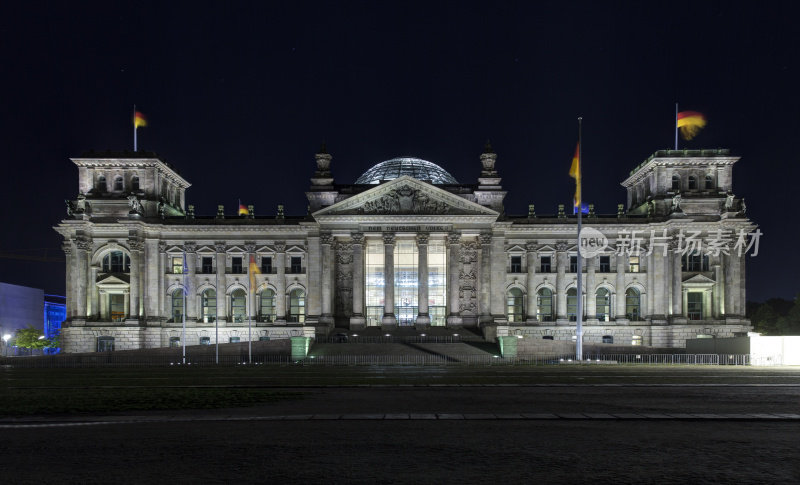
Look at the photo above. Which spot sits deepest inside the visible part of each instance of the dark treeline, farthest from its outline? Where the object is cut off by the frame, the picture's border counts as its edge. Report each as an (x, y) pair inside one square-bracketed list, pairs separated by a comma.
[(775, 316)]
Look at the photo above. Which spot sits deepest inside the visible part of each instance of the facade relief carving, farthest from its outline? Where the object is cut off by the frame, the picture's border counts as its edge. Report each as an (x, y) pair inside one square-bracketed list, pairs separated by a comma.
[(343, 299), (468, 278), (405, 200)]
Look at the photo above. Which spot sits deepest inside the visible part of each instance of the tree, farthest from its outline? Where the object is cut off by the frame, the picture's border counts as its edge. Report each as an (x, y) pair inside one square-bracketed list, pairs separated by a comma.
[(31, 338)]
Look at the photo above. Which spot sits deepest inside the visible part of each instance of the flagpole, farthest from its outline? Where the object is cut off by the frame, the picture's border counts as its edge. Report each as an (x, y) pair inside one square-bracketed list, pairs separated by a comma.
[(185, 295), (216, 321), (579, 319), (249, 333), (676, 126), (135, 144)]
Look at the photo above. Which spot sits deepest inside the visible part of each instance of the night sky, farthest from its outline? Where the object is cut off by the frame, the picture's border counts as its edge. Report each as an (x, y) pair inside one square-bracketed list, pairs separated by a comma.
[(239, 97)]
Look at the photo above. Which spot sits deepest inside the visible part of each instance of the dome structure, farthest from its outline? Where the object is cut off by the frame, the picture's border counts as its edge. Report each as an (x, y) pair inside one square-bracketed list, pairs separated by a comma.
[(413, 167)]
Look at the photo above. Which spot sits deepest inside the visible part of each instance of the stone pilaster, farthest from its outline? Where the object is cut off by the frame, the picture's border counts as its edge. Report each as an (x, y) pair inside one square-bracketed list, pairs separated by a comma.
[(84, 245), (423, 318), (388, 290), (530, 281), (454, 249), (660, 284), (161, 298), (314, 272), (677, 283), (136, 247), (591, 282), (561, 268), (280, 281), (222, 284), (191, 281), (326, 244), (486, 277), (358, 321), (619, 310), (499, 264), (250, 248), (152, 275), (69, 256), (94, 297)]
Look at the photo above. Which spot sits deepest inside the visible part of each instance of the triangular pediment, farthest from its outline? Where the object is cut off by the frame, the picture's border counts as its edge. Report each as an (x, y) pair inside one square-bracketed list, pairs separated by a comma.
[(206, 250), (516, 249), (113, 281), (546, 249), (699, 279), (295, 250), (405, 196)]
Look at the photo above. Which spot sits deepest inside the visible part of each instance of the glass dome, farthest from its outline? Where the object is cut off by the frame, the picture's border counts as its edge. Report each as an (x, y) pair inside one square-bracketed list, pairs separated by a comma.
[(413, 167)]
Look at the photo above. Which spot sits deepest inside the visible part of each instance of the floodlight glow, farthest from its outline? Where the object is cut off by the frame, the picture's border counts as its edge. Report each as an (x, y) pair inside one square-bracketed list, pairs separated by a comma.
[(519, 336), (6, 337), (41, 337), (422, 335)]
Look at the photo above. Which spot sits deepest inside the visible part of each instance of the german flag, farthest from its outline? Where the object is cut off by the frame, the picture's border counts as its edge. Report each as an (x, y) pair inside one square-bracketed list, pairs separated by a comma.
[(690, 123), (575, 172), (253, 272), (139, 119), (243, 210)]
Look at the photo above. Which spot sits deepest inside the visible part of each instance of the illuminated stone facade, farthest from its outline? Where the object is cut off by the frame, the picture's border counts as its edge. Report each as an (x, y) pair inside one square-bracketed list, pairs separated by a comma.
[(415, 250)]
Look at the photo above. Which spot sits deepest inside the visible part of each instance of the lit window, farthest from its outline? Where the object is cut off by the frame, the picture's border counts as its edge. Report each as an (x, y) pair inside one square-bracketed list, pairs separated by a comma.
[(238, 306), (177, 305), (236, 265), (234, 340), (514, 305), (544, 305), (605, 264), (572, 304), (177, 265), (633, 264), (374, 282), (633, 310), (297, 306), (516, 264), (636, 340), (437, 282), (174, 341), (116, 307), (205, 340), (694, 305), (406, 282), (267, 312), (603, 304), (209, 302), (545, 264)]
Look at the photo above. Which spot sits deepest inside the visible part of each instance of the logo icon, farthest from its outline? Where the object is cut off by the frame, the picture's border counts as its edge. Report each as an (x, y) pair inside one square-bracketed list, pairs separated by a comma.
[(591, 242)]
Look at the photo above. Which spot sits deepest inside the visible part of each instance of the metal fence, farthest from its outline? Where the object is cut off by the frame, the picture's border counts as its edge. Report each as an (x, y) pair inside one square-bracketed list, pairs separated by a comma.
[(416, 339), (116, 359)]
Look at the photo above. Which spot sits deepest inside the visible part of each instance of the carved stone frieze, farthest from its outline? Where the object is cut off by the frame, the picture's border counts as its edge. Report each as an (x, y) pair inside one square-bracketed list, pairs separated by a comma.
[(343, 294), (469, 252), (404, 200), (468, 278), (344, 253), (66, 246)]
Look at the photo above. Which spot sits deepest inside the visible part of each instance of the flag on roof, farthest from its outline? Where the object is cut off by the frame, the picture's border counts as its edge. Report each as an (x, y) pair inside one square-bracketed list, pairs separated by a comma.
[(243, 209), (139, 119), (575, 172), (690, 123)]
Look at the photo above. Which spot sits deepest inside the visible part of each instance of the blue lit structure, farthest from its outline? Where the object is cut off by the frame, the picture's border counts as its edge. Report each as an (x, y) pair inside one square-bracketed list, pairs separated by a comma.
[(55, 312)]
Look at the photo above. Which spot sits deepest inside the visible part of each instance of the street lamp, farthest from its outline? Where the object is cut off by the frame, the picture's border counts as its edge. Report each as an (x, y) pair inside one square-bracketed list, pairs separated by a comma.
[(6, 338)]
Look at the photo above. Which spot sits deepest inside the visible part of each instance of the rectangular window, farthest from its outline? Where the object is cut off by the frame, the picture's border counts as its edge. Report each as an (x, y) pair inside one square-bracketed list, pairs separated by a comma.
[(545, 264), (633, 264), (573, 264), (105, 344), (266, 265), (516, 264), (695, 262), (605, 264), (205, 340), (406, 282), (208, 265), (297, 264), (694, 305), (116, 304), (234, 340), (177, 265), (374, 282), (437, 283), (236, 265), (174, 341)]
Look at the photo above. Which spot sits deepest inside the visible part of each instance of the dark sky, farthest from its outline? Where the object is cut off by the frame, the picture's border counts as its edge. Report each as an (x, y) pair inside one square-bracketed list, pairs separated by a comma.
[(240, 95)]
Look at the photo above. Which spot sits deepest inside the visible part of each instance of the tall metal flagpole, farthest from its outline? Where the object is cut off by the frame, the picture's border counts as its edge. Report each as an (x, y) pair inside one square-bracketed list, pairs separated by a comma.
[(135, 145), (676, 126), (185, 295), (579, 319), (216, 322), (249, 325)]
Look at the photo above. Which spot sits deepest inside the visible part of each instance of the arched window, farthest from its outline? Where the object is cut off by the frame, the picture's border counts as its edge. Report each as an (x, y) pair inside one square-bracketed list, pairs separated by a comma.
[(514, 309), (692, 182), (676, 183), (297, 306), (116, 262), (603, 304), (101, 183), (177, 305), (209, 302), (572, 304), (267, 311), (238, 306), (709, 182), (633, 309), (135, 184), (544, 305), (118, 183)]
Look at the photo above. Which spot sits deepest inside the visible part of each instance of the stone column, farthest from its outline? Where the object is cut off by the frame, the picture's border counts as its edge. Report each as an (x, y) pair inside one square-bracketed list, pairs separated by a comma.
[(151, 280), (388, 270), (84, 245), (561, 268), (499, 265), (222, 284), (358, 321), (454, 250), (660, 285), (191, 282), (423, 317), (530, 282), (280, 282), (250, 248), (715, 297), (136, 253), (104, 310), (314, 272), (94, 297), (677, 283), (486, 277), (326, 243), (591, 298), (161, 299), (69, 257), (619, 310)]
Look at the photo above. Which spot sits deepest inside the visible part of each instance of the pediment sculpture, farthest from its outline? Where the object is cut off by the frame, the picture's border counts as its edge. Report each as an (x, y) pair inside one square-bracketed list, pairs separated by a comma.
[(405, 200)]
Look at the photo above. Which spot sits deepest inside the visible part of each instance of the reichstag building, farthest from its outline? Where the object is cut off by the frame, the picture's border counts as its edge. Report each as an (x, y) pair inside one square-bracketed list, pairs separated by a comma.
[(406, 244)]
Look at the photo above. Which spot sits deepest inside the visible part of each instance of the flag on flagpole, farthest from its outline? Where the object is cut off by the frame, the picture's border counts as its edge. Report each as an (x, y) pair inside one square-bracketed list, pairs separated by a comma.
[(139, 119), (253, 272), (243, 209), (575, 172), (584, 208), (690, 123)]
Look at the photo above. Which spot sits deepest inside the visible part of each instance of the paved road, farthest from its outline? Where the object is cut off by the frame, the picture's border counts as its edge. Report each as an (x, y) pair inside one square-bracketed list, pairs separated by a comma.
[(249, 445)]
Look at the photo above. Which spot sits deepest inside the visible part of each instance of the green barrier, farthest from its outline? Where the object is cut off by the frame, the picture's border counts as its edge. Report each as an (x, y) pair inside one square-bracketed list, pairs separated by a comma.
[(300, 346), (508, 346)]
